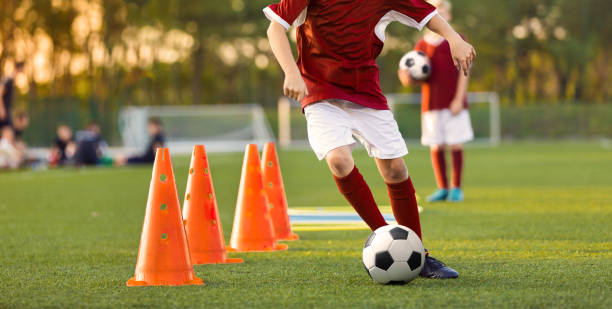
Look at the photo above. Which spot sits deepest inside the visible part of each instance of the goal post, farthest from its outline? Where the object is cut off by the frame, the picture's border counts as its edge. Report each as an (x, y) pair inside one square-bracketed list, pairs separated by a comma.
[(221, 128), (484, 110)]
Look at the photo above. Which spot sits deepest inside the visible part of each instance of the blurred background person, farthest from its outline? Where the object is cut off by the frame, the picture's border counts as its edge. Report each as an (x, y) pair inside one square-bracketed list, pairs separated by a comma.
[(156, 140), (7, 93), (90, 147), (11, 157), (63, 148), (445, 120)]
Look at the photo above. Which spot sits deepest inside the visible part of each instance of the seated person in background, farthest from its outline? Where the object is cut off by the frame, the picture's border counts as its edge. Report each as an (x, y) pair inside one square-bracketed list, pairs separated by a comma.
[(63, 148), (156, 140), (10, 155), (90, 146)]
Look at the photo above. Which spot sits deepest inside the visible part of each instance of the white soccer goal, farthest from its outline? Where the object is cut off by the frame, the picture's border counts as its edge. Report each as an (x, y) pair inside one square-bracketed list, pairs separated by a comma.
[(406, 108), (220, 128)]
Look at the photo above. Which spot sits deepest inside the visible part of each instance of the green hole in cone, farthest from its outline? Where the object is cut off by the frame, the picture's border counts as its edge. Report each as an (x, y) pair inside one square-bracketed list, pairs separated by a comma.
[(163, 177), (270, 163), (188, 196), (206, 171), (163, 206), (209, 195), (270, 185), (191, 171), (164, 236)]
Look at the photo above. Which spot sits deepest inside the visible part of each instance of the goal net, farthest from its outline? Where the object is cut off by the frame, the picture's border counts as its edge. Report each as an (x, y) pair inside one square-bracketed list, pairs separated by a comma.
[(406, 107), (221, 128)]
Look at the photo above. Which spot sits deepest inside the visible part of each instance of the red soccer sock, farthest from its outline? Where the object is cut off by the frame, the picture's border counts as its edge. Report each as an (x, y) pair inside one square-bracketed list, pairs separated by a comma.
[(438, 161), (404, 205), (457, 170), (358, 194)]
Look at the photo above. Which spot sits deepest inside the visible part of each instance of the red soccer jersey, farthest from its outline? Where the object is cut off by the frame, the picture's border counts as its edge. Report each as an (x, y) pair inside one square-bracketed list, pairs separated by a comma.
[(339, 40), (439, 89)]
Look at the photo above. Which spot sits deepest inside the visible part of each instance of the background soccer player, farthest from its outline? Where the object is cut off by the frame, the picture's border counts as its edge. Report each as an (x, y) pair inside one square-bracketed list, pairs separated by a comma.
[(445, 120), (337, 80)]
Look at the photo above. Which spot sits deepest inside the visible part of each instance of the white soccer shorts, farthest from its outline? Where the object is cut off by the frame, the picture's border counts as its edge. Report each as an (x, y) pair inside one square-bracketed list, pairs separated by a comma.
[(333, 123), (440, 127)]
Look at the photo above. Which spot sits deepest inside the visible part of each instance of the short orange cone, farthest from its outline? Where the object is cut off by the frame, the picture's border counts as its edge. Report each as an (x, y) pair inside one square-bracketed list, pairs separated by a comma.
[(200, 214), (163, 258), (253, 229), (275, 191)]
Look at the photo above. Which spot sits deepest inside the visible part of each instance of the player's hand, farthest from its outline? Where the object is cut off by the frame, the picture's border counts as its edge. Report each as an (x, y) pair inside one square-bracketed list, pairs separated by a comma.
[(456, 107), (295, 87), (463, 54), (406, 79)]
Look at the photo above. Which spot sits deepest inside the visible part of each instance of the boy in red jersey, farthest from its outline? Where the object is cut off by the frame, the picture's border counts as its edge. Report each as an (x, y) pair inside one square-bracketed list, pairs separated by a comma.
[(336, 79), (445, 120)]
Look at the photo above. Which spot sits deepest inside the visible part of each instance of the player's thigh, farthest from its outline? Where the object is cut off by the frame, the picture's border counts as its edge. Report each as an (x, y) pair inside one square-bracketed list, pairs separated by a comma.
[(377, 130), (432, 128), (329, 127), (458, 129)]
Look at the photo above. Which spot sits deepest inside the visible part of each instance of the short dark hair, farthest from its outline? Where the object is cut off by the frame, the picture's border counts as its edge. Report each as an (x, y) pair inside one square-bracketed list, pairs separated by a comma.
[(155, 121), (19, 65)]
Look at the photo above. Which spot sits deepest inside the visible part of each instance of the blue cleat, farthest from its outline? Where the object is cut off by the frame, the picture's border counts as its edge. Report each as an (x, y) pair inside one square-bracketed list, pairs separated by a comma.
[(455, 195), (438, 196), (437, 270)]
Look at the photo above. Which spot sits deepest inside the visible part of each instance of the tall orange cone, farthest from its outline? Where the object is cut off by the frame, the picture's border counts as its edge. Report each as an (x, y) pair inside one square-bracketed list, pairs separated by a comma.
[(275, 191), (253, 229), (163, 258), (200, 214)]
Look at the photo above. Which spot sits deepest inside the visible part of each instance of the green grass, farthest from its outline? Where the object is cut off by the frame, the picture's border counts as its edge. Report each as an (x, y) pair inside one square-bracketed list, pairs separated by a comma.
[(535, 231)]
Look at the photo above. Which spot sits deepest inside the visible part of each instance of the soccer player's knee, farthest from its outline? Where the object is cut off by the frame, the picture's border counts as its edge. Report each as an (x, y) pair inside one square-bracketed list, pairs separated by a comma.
[(341, 165), (396, 172), (456, 147)]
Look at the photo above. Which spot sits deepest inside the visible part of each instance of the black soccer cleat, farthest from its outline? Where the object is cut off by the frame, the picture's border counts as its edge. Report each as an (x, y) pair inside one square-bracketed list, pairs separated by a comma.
[(435, 269)]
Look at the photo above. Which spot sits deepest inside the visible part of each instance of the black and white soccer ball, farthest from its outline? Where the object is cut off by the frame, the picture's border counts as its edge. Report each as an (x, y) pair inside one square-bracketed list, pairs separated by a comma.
[(393, 254), (417, 64)]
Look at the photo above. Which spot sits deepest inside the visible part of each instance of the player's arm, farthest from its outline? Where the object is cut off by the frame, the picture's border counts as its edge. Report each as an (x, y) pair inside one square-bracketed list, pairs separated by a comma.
[(294, 86), (463, 53), (456, 105)]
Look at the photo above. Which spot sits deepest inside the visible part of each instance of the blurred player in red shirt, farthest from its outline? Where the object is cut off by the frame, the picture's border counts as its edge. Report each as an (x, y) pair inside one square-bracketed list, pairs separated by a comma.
[(337, 80), (445, 120)]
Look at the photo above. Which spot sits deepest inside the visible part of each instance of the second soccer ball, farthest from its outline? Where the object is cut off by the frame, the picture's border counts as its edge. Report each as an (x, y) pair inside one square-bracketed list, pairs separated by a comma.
[(417, 64)]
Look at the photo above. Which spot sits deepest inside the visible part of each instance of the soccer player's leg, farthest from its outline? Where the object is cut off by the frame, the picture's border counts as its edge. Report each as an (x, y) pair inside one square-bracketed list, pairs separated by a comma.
[(405, 210), (330, 136), (458, 130), (354, 188), (401, 192), (456, 194), (438, 163), (432, 135)]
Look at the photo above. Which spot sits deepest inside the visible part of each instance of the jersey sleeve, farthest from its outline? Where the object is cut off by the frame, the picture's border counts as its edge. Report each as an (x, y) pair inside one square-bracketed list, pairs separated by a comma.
[(287, 11), (414, 13)]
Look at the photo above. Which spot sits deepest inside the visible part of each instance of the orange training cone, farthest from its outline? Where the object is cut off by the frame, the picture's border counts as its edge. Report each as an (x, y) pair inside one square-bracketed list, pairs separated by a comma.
[(275, 191), (163, 258), (200, 214), (253, 229)]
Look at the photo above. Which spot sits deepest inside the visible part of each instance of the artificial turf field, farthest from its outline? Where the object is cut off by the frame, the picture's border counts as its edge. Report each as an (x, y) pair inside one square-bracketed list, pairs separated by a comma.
[(534, 231)]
